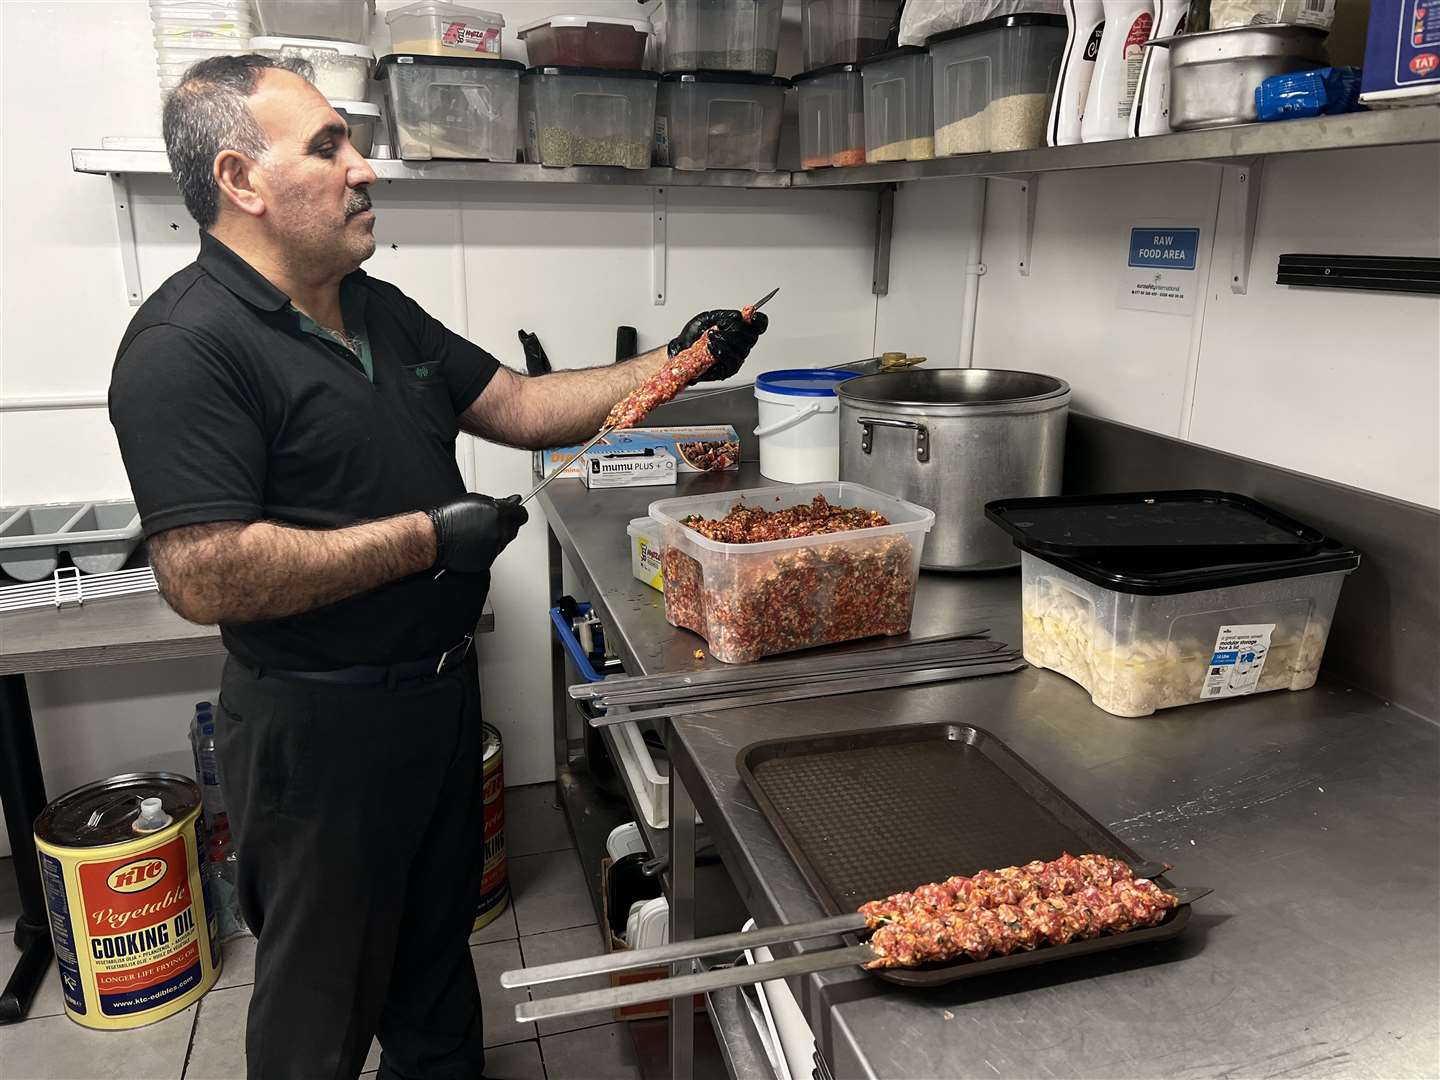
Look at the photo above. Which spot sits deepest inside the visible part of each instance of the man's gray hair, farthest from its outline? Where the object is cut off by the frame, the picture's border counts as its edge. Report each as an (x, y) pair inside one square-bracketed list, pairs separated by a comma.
[(209, 112)]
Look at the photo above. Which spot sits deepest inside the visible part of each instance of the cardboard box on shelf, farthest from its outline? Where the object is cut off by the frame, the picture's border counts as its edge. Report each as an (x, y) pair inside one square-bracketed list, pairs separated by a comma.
[(702, 448)]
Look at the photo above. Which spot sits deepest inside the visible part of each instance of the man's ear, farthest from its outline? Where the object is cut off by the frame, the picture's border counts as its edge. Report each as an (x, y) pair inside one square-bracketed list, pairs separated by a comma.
[(236, 176)]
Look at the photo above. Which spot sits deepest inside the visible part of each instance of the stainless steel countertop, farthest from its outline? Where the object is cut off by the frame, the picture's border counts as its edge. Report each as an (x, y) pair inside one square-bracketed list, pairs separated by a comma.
[(1315, 816)]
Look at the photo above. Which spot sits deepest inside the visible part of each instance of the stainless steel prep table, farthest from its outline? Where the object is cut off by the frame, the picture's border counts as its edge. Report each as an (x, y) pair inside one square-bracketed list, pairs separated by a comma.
[(1313, 815), (126, 629)]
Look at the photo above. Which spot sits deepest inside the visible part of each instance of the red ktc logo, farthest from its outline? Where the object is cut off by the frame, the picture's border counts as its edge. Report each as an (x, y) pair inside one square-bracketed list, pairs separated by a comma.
[(137, 875), (1425, 63)]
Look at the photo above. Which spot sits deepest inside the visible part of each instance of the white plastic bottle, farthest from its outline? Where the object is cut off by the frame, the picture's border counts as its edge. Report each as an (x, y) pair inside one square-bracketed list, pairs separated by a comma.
[(1151, 114), (1085, 20), (1128, 25)]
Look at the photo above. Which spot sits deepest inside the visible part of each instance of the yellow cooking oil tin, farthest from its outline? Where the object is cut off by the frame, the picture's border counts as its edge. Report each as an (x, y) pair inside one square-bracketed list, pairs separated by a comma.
[(135, 938), (495, 885)]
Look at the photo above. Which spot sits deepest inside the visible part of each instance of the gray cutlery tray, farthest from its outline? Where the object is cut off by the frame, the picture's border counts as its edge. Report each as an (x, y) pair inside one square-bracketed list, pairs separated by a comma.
[(98, 536)]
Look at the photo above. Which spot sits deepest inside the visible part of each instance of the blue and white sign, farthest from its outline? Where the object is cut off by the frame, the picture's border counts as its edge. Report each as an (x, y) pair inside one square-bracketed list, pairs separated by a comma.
[(1172, 249)]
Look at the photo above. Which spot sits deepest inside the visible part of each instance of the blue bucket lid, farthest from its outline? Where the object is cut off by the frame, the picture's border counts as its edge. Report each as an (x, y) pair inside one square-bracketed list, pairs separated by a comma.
[(804, 382)]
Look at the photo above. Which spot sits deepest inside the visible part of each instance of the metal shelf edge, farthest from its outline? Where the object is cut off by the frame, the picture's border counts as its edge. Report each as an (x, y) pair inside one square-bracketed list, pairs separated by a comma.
[(740, 1044)]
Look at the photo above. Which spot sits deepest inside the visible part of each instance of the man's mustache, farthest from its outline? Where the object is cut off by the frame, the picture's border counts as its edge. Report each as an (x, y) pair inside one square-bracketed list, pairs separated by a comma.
[(357, 202)]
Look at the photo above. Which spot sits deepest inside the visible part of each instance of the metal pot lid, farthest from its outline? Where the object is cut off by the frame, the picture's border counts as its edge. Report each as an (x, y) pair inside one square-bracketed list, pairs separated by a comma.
[(965, 388)]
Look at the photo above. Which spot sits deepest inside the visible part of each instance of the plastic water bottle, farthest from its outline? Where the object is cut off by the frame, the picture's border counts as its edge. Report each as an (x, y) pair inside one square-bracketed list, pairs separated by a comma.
[(222, 869), (207, 773)]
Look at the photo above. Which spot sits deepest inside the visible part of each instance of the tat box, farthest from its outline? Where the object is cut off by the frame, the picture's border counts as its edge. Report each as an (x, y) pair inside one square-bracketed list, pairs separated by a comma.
[(613, 468), (1402, 53), (702, 448)]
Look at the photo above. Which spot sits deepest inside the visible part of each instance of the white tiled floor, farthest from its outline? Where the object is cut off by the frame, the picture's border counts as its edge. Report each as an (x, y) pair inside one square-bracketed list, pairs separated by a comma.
[(549, 919)]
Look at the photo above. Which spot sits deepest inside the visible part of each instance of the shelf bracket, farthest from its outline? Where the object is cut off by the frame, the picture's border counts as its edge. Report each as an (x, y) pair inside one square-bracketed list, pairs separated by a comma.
[(1030, 194), (125, 228), (659, 246), (1245, 180), (884, 231)]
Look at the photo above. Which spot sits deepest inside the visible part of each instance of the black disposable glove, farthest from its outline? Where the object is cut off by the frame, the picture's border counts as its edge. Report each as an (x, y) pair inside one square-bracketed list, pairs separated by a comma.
[(471, 531), (730, 344)]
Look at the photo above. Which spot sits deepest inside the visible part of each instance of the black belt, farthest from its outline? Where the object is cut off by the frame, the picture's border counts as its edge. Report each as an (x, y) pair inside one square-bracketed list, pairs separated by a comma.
[(383, 674)]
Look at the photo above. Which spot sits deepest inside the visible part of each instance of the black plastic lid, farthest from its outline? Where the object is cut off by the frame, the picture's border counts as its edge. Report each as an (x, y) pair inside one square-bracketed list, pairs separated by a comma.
[(1166, 575), (422, 60), (1215, 525), (603, 73), (893, 54), (828, 69), (744, 77), (1029, 18)]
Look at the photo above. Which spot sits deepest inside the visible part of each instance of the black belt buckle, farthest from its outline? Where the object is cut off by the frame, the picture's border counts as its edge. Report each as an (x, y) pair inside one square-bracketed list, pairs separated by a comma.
[(458, 651)]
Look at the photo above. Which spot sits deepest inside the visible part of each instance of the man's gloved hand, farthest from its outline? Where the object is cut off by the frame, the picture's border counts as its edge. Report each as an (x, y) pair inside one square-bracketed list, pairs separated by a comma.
[(471, 531), (730, 344)]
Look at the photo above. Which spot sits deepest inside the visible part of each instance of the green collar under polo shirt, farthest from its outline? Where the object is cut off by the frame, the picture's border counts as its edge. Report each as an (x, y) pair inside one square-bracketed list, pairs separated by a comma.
[(231, 405)]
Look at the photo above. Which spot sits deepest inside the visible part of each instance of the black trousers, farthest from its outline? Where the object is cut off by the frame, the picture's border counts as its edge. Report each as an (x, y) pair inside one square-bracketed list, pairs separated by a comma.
[(359, 818)]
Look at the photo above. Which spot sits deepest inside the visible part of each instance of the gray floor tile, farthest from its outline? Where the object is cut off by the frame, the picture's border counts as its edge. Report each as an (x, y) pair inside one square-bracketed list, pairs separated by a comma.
[(597, 1053), (57, 1048), (497, 1002), (47, 1000), (550, 892), (514, 1061), (561, 945), (239, 966), (502, 928), (535, 821), (652, 1047), (217, 1051)]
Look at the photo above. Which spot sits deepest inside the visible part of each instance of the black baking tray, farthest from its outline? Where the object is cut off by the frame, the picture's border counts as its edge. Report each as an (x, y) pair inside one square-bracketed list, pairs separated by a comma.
[(865, 814)]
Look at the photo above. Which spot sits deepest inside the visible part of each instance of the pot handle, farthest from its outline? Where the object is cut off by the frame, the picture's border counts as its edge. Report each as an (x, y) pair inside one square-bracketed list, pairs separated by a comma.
[(789, 421), (922, 434)]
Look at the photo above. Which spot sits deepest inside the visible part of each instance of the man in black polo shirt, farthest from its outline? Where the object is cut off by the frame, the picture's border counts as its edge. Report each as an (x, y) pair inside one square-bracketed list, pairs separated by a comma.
[(288, 425)]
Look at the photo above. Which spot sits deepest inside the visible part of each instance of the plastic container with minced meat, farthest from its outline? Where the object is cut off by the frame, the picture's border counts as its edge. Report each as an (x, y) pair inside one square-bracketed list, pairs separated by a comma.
[(754, 600), (586, 41)]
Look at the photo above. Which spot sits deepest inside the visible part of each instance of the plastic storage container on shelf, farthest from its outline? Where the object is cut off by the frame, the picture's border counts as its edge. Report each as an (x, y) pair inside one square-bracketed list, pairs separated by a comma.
[(341, 68), (435, 28), (363, 119), (587, 41), (719, 120), (799, 423), (1154, 631), (452, 107), (588, 116), (722, 35), (845, 31), (332, 20), (754, 600), (899, 105), (993, 82), (831, 107), (172, 61), (224, 22)]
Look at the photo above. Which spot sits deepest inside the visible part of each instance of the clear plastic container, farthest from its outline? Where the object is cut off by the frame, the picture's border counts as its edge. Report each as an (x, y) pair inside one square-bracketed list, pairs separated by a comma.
[(363, 119), (993, 83), (341, 68), (831, 103), (333, 20), (844, 31), (205, 21), (586, 41), (435, 28), (754, 600), (588, 116), (722, 35), (899, 106), (444, 107), (724, 120), (1138, 652)]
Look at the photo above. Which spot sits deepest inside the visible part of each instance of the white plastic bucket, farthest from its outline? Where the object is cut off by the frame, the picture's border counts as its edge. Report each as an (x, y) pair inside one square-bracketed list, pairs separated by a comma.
[(799, 428)]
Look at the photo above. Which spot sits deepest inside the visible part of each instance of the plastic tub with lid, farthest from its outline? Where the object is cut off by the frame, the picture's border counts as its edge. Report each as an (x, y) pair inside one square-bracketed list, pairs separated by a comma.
[(341, 68), (899, 105), (332, 20), (588, 116), (1142, 632), (799, 429), (363, 119), (452, 107), (719, 120), (722, 35), (596, 41), (754, 600), (831, 106), (993, 83), (176, 24), (845, 31), (435, 28)]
